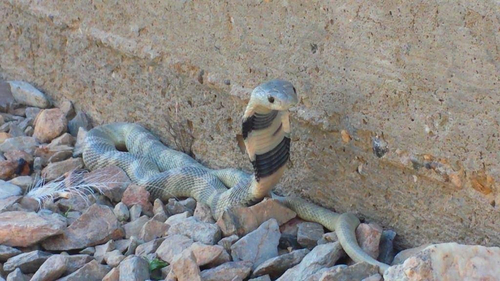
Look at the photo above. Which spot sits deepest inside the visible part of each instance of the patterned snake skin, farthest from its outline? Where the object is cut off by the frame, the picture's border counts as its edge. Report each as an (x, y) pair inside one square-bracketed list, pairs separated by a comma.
[(168, 173)]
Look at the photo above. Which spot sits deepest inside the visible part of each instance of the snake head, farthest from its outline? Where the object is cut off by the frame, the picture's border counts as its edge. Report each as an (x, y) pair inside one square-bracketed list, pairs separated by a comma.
[(275, 95)]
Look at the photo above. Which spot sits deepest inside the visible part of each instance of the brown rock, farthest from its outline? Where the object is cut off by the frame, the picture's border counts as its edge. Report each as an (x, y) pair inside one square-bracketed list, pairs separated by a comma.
[(448, 261), (17, 155), (113, 258), (374, 277), (64, 139), (134, 228), (152, 229), (136, 194), (89, 272), (242, 220), (368, 236), (403, 255), (229, 271), (205, 254), (113, 275), (67, 108), (49, 124), (97, 225), (29, 228), (177, 218), (51, 269), (173, 245), (111, 181), (8, 169), (49, 154), (4, 136), (185, 268), (55, 170)]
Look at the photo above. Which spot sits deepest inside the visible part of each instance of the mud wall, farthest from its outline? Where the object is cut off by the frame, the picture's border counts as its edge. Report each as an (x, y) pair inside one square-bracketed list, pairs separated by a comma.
[(399, 113)]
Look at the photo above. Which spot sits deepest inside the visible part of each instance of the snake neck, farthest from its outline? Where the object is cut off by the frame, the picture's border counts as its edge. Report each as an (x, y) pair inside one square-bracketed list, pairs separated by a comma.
[(267, 140)]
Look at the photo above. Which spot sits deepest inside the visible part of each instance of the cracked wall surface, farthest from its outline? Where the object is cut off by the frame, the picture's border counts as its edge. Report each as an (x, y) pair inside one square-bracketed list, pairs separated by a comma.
[(399, 113)]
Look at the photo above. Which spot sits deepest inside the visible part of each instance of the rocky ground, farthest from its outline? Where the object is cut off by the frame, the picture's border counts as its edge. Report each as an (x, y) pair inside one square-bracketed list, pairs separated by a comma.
[(99, 226)]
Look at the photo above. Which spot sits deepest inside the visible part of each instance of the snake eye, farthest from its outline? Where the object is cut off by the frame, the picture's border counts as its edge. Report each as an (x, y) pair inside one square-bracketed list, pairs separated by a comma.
[(295, 91), (270, 99)]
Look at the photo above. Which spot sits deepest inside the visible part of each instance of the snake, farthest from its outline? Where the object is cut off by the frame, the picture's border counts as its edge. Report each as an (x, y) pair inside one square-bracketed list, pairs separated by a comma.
[(167, 173)]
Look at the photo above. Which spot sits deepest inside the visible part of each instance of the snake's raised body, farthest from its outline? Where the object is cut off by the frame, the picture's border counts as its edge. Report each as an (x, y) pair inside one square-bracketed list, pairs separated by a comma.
[(169, 173)]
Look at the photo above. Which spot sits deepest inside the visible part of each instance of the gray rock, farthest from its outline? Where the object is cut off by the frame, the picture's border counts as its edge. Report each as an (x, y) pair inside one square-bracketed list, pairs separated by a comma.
[(322, 256), (32, 112), (173, 245), (135, 212), (27, 262), (134, 268), (67, 108), (374, 277), (76, 262), (358, 271), (25, 93), (121, 212), (198, 231), (27, 144), (259, 245), (134, 243), (81, 120), (72, 216), (174, 207), (276, 266), (113, 258), (92, 271), (88, 251), (189, 203), (80, 140), (329, 270), (8, 189), (159, 207), (17, 275), (6, 98), (309, 233), (24, 182), (51, 269), (97, 225), (134, 228), (30, 228), (177, 218), (148, 247), (16, 131), (202, 213), (386, 247), (229, 271), (101, 250), (227, 242), (261, 278), (7, 252), (7, 204)]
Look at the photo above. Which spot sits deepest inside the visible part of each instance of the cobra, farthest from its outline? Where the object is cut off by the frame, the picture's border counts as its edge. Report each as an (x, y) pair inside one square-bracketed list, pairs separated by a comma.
[(168, 173)]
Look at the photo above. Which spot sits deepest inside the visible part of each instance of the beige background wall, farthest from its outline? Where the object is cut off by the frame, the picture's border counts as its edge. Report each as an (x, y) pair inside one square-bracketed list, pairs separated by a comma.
[(419, 80)]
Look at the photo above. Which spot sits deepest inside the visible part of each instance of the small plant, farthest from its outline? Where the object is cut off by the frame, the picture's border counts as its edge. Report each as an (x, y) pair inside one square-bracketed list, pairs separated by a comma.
[(156, 264)]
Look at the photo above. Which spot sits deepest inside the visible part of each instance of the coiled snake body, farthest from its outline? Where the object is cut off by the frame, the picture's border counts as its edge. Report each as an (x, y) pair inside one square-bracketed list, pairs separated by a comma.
[(169, 173)]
